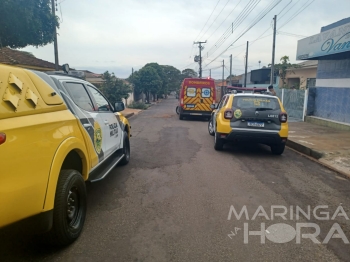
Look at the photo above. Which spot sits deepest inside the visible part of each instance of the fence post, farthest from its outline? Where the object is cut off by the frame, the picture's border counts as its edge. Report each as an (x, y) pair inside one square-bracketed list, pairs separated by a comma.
[(282, 96), (305, 103)]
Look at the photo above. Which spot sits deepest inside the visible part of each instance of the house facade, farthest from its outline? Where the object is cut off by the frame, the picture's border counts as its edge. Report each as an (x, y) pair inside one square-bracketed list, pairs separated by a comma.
[(302, 76), (330, 98)]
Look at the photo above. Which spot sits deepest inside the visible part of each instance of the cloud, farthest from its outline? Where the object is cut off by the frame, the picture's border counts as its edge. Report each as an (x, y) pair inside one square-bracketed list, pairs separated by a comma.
[(121, 35)]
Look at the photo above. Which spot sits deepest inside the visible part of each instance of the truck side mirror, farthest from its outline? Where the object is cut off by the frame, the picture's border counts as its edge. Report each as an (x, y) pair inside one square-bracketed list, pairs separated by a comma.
[(119, 106)]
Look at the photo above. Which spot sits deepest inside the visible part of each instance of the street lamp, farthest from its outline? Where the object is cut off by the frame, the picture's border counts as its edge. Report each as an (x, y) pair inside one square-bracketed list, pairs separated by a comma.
[(259, 64)]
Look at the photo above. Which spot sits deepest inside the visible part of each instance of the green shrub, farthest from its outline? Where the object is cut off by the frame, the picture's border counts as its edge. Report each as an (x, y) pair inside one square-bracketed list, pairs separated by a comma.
[(138, 105)]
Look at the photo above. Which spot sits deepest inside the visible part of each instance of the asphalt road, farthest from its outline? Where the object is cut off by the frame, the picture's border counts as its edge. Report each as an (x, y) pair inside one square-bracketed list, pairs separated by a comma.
[(175, 200)]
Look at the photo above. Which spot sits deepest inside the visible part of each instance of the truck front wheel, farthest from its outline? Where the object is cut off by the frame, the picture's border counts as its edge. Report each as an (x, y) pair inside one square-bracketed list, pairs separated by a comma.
[(126, 150), (69, 210)]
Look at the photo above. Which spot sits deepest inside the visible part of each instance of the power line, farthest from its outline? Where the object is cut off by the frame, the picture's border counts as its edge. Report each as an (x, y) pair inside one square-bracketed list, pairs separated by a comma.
[(191, 51), (212, 68), (244, 13), (285, 8), (271, 26), (236, 46), (278, 18), (185, 67), (302, 8), (249, 28), (262, 15), (204, 27), (207, 19), (216, 17), (224, 20), (261, 36), (290, 34)]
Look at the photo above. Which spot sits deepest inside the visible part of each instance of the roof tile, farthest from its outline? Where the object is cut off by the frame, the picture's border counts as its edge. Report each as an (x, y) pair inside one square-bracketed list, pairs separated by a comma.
[(15, 57)]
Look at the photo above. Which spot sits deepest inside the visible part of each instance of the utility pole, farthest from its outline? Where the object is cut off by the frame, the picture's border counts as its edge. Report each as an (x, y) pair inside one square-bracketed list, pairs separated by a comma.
[(222, 83), (55, 36), (246, 66), (210, 73), (200, 56), (132, 83), (230, 70), (272, 77)]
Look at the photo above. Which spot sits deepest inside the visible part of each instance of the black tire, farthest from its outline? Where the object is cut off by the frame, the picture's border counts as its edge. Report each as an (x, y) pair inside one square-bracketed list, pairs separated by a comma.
[(181, 116), (126, 150), (211, 128), (69, 210), (218, 143), (278, 149)]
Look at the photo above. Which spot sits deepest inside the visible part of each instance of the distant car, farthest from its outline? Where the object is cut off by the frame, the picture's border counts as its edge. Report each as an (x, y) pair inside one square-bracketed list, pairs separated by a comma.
[(249, 118)]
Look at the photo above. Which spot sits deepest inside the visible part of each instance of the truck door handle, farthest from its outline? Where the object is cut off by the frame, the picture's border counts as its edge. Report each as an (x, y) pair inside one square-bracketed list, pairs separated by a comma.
[(87, 126)]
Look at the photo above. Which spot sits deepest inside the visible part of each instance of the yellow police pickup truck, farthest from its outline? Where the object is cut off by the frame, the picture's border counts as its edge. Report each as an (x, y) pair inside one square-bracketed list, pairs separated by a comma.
[(56, 133)]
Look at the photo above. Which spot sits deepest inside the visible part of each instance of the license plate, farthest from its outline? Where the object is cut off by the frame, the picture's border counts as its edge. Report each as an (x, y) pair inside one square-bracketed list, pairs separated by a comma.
[(190, 105), (255, 124)]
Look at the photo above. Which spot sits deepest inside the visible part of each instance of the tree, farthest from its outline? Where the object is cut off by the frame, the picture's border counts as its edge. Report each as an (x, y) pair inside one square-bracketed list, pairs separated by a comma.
[(189, 73), (26, 22), (169, 76), (162, 89), (148, 81), (228, 78), (114, 88), (172, 78), (281, 68)]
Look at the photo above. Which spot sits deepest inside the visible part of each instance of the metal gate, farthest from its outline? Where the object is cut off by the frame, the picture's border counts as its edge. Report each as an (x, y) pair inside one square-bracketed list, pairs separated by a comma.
[(294, 101)]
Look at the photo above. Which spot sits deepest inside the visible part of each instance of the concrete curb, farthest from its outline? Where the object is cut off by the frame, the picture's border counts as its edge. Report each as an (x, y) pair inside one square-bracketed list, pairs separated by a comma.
[(129, 115), (315, 156), (304, 149)]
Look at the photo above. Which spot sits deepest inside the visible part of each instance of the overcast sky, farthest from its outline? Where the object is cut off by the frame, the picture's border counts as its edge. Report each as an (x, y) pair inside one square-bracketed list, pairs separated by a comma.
[(100, 35)]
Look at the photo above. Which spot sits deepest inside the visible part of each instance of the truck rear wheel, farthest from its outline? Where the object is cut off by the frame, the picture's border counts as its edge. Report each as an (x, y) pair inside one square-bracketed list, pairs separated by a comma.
[(218, 142), (278, 149), (69, 210), (211, 128)]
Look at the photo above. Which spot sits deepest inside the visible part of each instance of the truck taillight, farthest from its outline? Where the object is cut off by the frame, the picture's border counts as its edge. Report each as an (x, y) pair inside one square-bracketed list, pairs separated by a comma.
[(2, 138), (283, 117), (228, 114), (181, 102)]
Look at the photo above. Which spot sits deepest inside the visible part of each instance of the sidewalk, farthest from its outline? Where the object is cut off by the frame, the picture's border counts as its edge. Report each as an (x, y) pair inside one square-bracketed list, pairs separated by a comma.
[(129, 112), (331, 147)]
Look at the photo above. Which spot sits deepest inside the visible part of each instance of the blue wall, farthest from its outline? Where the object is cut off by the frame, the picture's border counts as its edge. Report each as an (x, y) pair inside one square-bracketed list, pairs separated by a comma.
[(328, 101), (330, 69), (331, 103)]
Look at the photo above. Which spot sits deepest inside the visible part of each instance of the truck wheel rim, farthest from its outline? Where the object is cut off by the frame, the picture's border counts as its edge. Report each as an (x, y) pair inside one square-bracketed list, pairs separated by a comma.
[(211, 127), (72, 206)]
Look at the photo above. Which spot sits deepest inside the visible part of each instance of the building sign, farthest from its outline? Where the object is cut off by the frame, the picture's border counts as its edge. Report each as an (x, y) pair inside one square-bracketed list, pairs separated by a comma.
[(333, 41)]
